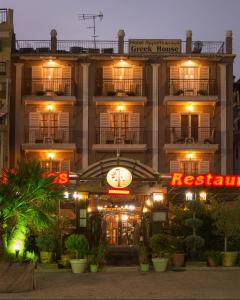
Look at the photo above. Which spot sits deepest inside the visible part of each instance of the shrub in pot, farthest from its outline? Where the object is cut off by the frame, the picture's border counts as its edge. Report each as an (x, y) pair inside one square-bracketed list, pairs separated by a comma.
[(143, 258), (213, 258), (227, 222), (46, 244), (95, 258), (178, 257), (159, 244), (79, 244)]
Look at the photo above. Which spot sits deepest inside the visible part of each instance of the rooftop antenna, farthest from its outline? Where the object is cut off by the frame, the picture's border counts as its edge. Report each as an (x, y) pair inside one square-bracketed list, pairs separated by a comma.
[(93, 17)]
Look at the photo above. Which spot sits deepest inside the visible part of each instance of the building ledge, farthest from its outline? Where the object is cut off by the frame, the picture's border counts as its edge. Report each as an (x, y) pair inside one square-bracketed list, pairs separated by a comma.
[(33, 99), (130, 100), (121, 147), (49, 147), (197, 147), (196, 100)]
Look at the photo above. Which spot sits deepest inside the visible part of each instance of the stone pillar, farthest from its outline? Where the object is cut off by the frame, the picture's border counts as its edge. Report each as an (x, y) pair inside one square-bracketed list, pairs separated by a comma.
[(228, 42), (155, 84), (223, 87), (19, 128), (85, 115), (53, 41), (188, 41), (121, 35)]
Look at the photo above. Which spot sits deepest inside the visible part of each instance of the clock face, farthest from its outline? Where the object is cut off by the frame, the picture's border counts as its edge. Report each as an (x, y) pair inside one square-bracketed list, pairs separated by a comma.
[(119, 177)]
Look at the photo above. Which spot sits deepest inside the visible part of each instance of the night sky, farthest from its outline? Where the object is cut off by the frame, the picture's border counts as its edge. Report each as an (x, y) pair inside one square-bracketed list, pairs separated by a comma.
[(208, 19)]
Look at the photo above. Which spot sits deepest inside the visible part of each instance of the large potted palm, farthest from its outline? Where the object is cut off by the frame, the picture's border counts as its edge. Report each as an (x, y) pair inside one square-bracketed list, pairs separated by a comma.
[(160, 246), (78, 244), (28, 201)]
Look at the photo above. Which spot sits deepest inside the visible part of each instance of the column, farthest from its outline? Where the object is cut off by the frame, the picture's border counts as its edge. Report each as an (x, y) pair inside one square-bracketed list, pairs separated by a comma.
[(85, 115), (19, 126), (155, 84), (223, 88)]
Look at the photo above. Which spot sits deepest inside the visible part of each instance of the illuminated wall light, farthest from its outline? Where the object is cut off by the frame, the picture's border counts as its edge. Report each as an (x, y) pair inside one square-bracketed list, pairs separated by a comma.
[(189, 196), (120, 108), (75, 195), (148, 202), (89, 209), (190, 108), (124, 217), (145, 209), (203, 196), (190, 156), (66, 195), (189, 63), (51, 155), (158, 197), (50, 107)]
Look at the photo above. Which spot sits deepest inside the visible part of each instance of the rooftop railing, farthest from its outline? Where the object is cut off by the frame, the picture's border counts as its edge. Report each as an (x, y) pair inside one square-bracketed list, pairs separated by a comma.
[(3, 15), (105, 47)]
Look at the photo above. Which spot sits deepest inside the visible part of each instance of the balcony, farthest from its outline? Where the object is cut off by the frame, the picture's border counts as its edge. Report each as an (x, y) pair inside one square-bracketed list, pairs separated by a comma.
[(131, 91), (180, 139), (57, 138), (54, 89), (128, 139)]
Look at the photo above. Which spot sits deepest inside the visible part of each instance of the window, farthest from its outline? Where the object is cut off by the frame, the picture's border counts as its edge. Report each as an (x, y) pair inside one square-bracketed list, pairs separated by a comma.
[(189, 167), (50, 166), (2, 68)]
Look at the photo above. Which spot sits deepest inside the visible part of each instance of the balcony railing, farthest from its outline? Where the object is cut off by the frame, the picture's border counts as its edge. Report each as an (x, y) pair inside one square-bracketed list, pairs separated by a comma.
[(190, 135), (3, 15), (192, 87), (120, 87), (117, 135), (49, 87), (48, 135), (105, 47)]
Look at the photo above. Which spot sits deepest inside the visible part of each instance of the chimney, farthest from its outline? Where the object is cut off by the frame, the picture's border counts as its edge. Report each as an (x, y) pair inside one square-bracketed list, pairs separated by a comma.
[(188, 41), (121, 35), (53, 34), (228, 42)]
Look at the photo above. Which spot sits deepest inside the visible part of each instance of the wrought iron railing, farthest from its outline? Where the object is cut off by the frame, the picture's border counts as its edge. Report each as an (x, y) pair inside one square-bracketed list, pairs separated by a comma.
[(207, 47), (192, 87), (48, 135), (3, 15), (120, 87), (190, 135), (120, 135), (49, 86)]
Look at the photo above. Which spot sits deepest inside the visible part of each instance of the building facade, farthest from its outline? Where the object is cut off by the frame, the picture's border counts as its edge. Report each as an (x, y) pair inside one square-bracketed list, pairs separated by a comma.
[(152, 106), (6, 36)]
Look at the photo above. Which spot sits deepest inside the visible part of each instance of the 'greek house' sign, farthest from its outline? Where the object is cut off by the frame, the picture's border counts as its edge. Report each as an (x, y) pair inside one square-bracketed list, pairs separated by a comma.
[(154, 46)]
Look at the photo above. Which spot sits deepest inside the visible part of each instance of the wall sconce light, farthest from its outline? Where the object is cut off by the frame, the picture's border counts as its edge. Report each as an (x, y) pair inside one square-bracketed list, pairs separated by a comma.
[(203, 196), (50, 107), (120, 108), (51, 155), (190, 156), (189, 196), (75, 195), (158, 197), (66, 194), (190, 108)]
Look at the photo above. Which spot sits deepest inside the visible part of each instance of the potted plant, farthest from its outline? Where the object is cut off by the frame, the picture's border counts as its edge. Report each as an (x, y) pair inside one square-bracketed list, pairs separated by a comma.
[(143, 259), (213, 258), (96, 257), (79, 244), (46, 244), (178, 257), (227, 222), (159, 244)]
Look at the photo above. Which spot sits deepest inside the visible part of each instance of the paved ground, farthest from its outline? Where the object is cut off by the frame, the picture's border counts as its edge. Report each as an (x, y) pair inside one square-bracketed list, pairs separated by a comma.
[(133, 285)]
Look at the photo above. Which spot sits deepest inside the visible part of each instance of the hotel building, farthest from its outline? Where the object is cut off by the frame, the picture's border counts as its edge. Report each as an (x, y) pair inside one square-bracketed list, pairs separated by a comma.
[(151, 106)]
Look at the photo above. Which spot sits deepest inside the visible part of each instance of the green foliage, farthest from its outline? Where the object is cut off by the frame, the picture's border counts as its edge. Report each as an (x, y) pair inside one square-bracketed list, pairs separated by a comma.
[(28, 201), (216, 256), (97, 255), (193, 223), (178, 244), (193, 243), (77, 243), (227, 221), (143, 255), (160, 245), (46, 242)]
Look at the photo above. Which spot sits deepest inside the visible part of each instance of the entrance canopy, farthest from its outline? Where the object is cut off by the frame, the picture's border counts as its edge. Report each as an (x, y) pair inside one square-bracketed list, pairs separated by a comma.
[(99, 170)]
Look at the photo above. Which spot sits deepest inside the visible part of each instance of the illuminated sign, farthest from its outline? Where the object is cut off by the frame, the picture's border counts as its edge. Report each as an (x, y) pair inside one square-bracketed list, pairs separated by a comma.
[(180, 179), (119, 192), (119, 177), (60, 177)]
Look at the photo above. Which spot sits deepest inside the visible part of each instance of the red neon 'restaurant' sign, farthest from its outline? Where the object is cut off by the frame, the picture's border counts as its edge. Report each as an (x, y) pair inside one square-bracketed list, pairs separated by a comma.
[(180, 179), (60, 177)]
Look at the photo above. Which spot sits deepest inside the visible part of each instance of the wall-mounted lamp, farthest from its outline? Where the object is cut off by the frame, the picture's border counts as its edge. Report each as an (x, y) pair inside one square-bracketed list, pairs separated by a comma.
[(51, 155), (158, 197)]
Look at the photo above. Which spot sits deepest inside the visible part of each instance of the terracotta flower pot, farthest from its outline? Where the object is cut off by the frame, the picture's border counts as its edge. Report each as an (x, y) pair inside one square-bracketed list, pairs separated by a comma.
[(211, 262), (178, 260)]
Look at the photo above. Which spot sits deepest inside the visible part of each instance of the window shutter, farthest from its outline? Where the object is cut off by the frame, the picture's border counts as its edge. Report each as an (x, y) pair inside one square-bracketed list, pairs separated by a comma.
[(34, 126), (203, 167), (105, 130), (107, 72), (65, 165), (204, 72), (174, 80), (204, 79), (137, 86), (175, 166), (63, 123), (36, 72), (204, 127), (175, 124), (133, 133), (37, 83), (66, 76), (137, 72)]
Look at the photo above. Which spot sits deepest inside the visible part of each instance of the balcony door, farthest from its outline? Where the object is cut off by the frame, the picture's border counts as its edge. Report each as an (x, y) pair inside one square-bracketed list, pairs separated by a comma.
[(189, 127), (188, 80)]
